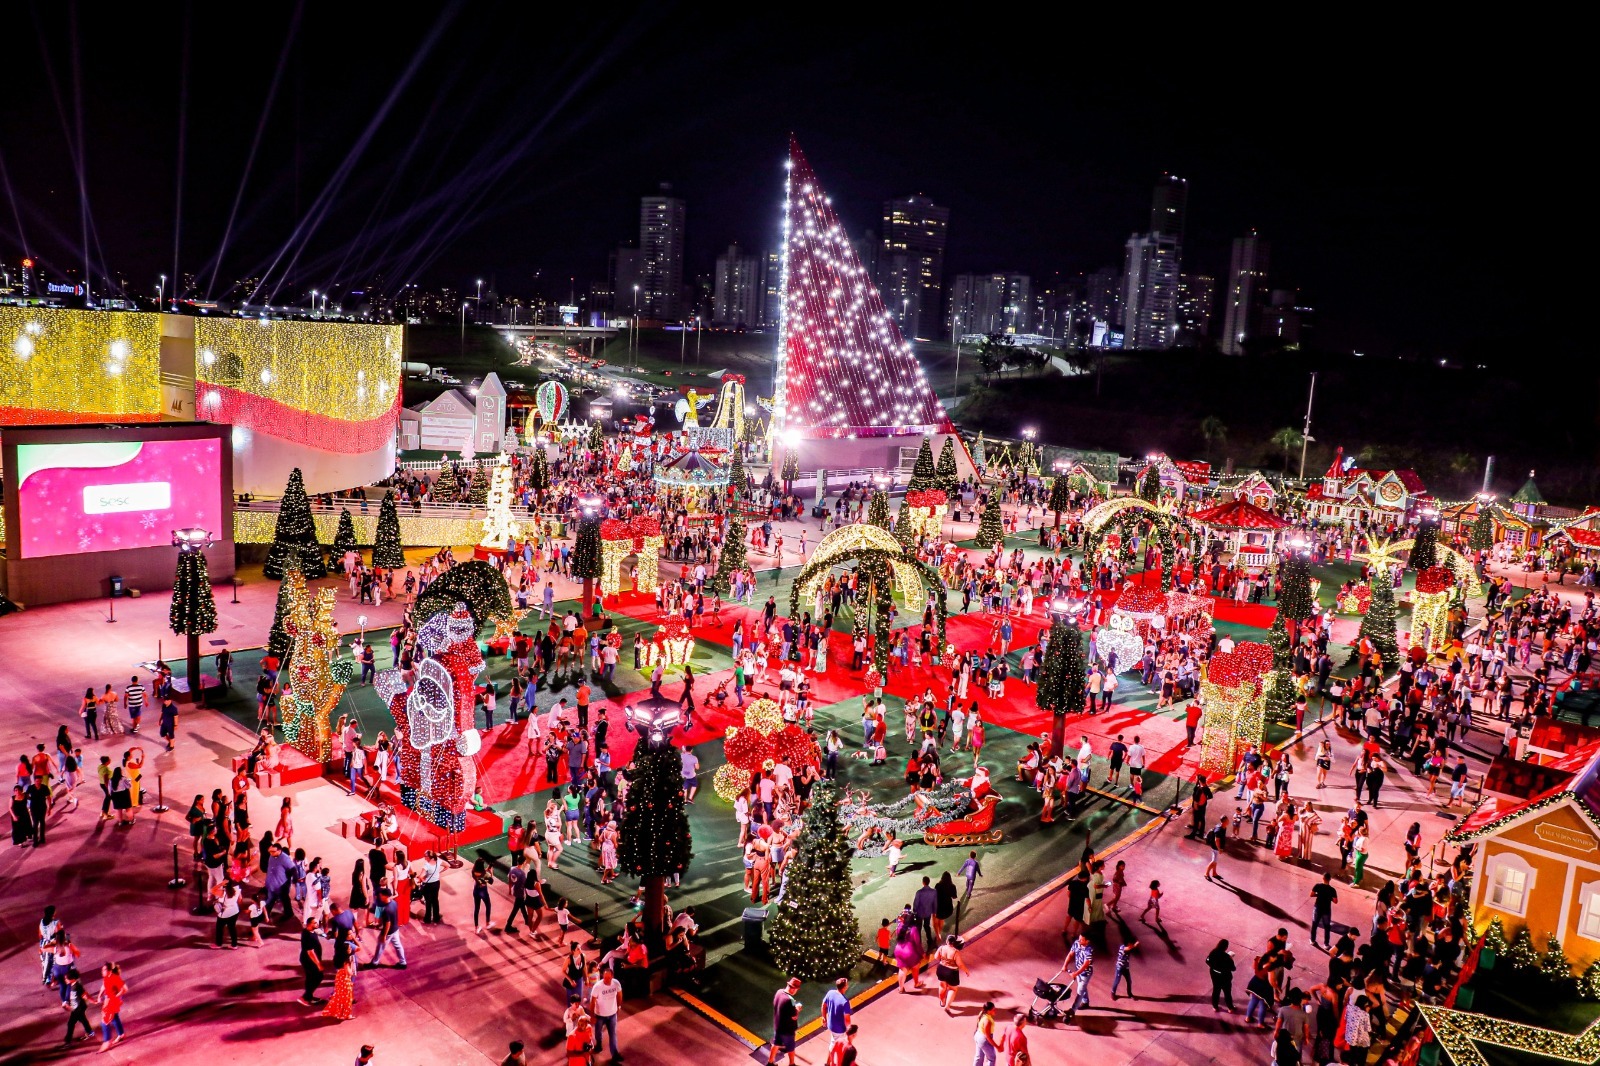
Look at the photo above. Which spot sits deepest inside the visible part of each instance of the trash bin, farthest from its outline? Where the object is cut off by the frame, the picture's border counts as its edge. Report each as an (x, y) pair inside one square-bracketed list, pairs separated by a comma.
[(753, 917), (116, 585)]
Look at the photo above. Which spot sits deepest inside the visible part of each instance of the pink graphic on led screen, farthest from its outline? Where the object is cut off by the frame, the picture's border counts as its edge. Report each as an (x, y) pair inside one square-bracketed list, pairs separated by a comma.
[(105, 496)]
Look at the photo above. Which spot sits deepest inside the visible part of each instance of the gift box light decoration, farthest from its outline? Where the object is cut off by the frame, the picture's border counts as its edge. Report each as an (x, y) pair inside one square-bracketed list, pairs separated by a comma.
[(620, 539), (926, 509), (672, 645), (1234, 696), (434, 730), (1430, 610)]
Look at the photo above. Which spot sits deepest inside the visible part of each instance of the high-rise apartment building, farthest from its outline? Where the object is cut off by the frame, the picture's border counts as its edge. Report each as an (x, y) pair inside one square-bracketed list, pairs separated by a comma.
[(1285, 320), (771, 289), (1150, 291), (1196, 296), (990, 303), (1169, 205), (661, 225), (911, 265), (1102, 295), (1246, 292), (736, 298)]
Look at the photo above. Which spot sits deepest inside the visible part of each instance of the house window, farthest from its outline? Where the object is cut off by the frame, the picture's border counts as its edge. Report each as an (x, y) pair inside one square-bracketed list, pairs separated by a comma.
[(1510, 882), (1589, 910)]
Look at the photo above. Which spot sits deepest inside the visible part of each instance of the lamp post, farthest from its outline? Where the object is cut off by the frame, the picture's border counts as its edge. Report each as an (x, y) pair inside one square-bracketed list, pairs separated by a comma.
[(683, 342), (191, 544), (161, 292), (955, 384), (654, 719), (696, 340)]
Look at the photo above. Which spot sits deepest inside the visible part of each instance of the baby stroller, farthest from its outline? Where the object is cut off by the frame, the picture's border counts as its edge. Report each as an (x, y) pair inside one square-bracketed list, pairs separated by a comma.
[(1052, 994)]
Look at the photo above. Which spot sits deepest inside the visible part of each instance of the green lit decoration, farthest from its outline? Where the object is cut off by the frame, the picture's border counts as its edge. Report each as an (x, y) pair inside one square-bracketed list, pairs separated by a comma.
[(386, 549), (813, 930), (476, 583), (296, 534)]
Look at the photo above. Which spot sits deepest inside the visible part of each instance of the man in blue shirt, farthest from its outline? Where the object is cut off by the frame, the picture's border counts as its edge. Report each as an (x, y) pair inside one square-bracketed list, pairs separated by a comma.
[(280, 875), (836, 1012)]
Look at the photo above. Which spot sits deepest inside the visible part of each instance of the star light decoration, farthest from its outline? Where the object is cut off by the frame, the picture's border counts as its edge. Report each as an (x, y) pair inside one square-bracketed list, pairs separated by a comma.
[(844, 370)]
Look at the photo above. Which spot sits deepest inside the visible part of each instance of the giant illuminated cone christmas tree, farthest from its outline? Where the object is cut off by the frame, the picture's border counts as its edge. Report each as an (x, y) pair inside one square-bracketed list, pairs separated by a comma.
[(844, 370)]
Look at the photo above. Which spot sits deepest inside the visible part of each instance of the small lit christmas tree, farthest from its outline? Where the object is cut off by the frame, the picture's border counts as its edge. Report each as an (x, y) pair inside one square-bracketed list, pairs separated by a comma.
[(194, 609), (539, 471), (478, 488), (1281, 693), (791, 471), (990, 532), (1556, 967), (1494, 938), (1150, 484), (499, 528), (387, 551), (732, 557), (1481, 536), (1060, 497), (1378, 624), (1522, 956), (296, 534), (344, 540), (1589, 983), (597, 436), (586, 560), (947, 474), (278, 639), (878, 511), (655, 843), (738, 479), (476, 583), (446, 487), (980, 453), (923, 474), (814, 932), (903, 523), (1425, 550), (1061, 683), (1278, 641), (1294, 599)]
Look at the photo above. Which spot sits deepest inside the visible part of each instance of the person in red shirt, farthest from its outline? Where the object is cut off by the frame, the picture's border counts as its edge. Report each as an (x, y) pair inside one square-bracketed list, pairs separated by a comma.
[(1015, 1044), (112, 990)]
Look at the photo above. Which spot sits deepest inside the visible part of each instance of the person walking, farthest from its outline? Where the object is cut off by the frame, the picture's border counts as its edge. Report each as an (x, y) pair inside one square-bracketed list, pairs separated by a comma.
[(227, 908), (971, 870), (388, 931), (1323, 897), (603, 1000), (925, 904), (836, 1017), (948, 966), (77, 1004), (1080, 968), (1221, 966), (1124, 968), (341, 1005), (113, 989), (785, 1022), (983, 1039), (481, 880), (432, 870), (310, 960)]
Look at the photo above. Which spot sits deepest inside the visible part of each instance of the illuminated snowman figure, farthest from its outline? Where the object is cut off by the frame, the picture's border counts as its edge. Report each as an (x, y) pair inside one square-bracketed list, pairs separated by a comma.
[(1118, 641)]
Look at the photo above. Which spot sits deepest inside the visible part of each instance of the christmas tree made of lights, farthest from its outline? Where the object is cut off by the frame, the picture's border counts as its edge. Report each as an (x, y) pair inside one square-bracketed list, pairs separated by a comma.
[(844, 370)]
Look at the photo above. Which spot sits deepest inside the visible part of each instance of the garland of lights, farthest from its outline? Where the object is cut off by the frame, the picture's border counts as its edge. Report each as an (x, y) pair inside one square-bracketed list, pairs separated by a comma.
[(257, 527), (1126, 517), (844, 370), (61, 366), (874, 550)]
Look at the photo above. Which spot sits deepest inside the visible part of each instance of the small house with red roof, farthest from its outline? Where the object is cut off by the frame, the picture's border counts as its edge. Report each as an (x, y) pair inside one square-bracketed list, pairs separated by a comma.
[(1181, 477), (1537, 865), (1246, 530), (1256, 489), (1351, 494), (1583, 533)]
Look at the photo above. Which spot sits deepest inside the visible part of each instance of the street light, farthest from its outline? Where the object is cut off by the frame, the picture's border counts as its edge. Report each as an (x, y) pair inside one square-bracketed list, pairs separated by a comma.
[(193, 539), (191, 544), (1029, 432), (161, 292)]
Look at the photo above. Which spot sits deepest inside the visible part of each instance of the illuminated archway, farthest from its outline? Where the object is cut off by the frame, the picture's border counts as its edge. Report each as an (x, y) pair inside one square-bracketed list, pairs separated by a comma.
[(874, 548), (1128, 516)]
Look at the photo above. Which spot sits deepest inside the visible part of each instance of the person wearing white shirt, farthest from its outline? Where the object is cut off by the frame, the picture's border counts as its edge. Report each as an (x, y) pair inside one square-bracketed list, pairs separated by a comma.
[(603, 999)]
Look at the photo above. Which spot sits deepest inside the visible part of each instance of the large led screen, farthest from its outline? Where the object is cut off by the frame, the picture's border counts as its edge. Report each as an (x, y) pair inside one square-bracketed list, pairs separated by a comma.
[(108, 495)]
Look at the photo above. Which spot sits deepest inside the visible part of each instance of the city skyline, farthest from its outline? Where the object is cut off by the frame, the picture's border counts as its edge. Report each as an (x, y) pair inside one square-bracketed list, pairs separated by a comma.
[(437, 159)]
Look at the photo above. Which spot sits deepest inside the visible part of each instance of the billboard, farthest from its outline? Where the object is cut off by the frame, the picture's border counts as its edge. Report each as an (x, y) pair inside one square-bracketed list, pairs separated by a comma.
[(82, 496)]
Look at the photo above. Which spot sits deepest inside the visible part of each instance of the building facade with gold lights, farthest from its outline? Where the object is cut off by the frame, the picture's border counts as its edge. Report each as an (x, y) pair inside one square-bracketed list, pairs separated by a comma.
[(321, 396)]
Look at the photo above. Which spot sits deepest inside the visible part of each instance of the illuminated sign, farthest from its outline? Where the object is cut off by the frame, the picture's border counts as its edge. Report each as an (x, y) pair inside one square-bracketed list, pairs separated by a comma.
[(137, 496)]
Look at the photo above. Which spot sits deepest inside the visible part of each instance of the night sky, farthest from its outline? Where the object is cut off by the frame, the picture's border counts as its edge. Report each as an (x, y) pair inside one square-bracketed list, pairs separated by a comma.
[(1422, 192)]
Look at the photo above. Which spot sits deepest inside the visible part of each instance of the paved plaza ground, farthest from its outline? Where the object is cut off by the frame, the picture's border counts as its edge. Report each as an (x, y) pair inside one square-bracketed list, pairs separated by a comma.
[(464, 996)]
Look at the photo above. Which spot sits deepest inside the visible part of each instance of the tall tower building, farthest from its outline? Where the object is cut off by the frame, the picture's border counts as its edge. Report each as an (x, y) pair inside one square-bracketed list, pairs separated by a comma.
[(911, 266), (1196, 296), (1169, 205), (771, 289), (1246, 292), (990, 303), (1150, 291), (1102, 296), (736, 294), (661, 224)]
